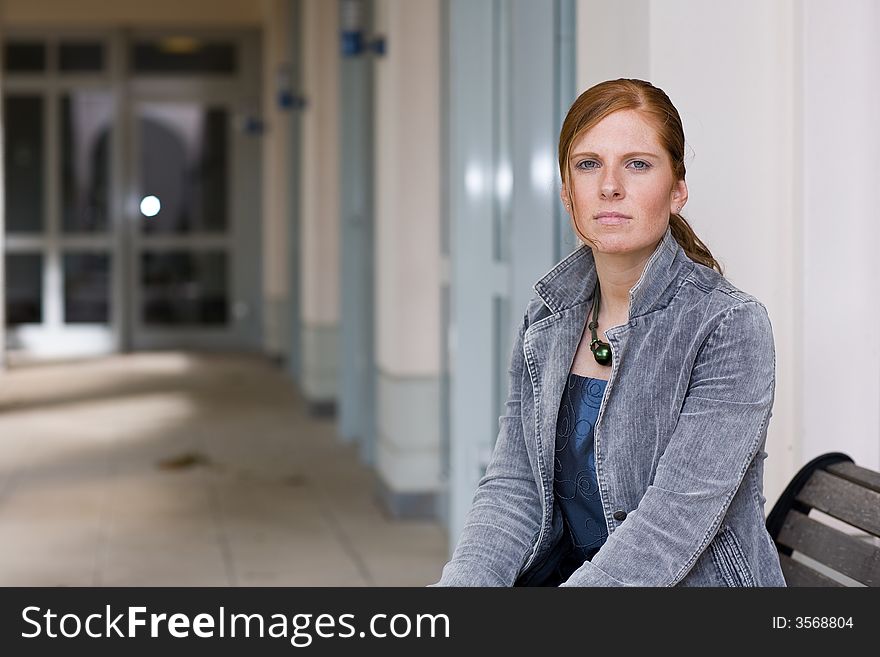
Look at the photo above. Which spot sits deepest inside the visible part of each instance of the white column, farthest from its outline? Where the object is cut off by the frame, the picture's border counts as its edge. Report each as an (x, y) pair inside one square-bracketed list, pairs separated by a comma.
[(733, 72), (319, 209), (275, 171), (841, 232), (407, 115)]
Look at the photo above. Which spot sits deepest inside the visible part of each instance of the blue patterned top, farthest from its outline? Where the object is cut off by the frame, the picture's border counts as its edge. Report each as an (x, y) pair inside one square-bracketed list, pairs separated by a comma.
[(574, 478)]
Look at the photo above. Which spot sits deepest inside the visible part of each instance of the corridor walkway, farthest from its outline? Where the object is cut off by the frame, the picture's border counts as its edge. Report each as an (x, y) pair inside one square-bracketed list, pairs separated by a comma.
[(189, 470)]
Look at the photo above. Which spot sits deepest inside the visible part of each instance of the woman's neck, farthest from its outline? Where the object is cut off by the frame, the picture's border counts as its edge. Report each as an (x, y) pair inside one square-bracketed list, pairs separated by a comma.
[(618, 273)]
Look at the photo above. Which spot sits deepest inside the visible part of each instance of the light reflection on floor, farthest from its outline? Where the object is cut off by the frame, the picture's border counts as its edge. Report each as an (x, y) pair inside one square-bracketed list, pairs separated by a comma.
[(178, 469)]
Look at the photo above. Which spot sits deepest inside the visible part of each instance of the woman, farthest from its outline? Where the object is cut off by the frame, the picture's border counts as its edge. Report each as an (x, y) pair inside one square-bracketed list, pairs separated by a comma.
[(641, 385)]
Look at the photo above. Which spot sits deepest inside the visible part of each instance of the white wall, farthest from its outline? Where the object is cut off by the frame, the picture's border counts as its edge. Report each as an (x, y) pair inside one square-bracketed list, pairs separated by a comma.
[(841, 229), (732, 70), (612, 41)]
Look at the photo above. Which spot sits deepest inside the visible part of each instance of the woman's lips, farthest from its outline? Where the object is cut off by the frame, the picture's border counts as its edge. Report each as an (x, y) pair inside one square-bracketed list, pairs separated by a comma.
[(612, 220)]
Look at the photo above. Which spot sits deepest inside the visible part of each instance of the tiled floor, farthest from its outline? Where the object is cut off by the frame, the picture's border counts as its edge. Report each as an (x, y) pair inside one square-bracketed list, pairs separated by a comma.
[(269, 495)]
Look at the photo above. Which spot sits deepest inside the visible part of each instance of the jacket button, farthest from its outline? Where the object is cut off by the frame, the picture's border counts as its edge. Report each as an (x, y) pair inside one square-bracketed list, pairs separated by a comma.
[(620, 515)]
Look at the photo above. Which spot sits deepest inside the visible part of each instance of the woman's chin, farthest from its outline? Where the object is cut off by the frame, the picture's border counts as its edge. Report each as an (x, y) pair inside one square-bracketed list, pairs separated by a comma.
[(623, 242), (612, 244), (609, 246)]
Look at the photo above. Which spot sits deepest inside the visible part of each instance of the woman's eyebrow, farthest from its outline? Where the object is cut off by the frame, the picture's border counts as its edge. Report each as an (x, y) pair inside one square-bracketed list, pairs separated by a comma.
[(624, 156)]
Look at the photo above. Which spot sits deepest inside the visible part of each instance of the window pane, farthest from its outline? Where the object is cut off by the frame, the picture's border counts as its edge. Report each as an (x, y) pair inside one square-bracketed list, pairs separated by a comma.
[(86, 288), (25, 57), (24, 288), (183, 288), (81, 57), (183, 168), (23, 158), (183, 55), (86, 121)]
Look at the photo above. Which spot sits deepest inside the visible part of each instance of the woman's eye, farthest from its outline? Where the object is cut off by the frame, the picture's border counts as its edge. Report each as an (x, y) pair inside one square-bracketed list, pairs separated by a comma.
[(644, 164), (587, 164)]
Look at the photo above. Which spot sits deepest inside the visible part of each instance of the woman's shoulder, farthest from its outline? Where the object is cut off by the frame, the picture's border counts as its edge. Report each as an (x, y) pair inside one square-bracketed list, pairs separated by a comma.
[(717, 301), (705, 285)]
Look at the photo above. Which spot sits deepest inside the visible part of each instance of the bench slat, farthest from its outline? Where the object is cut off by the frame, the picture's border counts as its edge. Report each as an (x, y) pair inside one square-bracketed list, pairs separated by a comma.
[(844, 553), (844, 500), (799, 574), (857, 475)]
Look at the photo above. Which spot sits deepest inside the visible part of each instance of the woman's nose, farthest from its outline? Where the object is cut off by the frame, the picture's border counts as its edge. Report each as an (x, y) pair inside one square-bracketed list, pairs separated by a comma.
[(611, 187)]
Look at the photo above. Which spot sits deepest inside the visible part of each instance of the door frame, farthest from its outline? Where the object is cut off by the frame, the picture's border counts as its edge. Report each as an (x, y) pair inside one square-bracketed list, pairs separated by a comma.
[(240, 93)]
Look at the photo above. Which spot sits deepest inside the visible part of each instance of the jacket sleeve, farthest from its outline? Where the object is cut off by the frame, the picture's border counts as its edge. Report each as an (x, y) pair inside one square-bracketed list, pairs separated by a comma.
[(722, 424), (503, 522)]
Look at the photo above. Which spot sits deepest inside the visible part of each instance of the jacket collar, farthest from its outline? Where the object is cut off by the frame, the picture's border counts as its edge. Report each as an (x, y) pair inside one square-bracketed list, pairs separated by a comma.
[(572, 281)]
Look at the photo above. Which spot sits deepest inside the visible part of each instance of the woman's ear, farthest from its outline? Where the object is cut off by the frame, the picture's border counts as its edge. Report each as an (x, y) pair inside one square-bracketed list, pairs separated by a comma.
[(563, 196), (679, 196)]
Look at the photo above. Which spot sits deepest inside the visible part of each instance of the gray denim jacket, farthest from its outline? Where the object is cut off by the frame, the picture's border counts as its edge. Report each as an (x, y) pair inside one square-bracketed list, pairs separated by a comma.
[(678, 441)]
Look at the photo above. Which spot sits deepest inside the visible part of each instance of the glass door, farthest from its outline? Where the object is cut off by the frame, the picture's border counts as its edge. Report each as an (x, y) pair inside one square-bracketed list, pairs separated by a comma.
[(181, 246), (192, 239), (59, 117), (132, 171)]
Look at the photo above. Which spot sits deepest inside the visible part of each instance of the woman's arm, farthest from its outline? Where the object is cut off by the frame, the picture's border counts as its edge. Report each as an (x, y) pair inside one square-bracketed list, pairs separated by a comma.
[(504, 520), (722, 424)]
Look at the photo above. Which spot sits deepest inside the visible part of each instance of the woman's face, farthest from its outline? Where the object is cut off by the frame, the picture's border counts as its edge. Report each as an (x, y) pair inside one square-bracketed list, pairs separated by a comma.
[(619, 166)]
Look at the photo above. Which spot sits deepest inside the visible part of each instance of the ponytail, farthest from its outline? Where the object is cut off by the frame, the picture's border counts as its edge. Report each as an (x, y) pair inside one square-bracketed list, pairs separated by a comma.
[(693, 247)]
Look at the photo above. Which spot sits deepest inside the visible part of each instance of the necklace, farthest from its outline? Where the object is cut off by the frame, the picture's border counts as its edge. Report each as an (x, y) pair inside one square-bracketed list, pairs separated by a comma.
[(601, 350)]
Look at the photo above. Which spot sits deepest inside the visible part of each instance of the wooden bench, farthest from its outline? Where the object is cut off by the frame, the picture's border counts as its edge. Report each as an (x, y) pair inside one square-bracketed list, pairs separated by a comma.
[(835, 485)]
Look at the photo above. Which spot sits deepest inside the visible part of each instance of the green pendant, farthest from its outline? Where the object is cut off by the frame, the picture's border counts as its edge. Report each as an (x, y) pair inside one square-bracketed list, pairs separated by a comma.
[(601, 351)]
